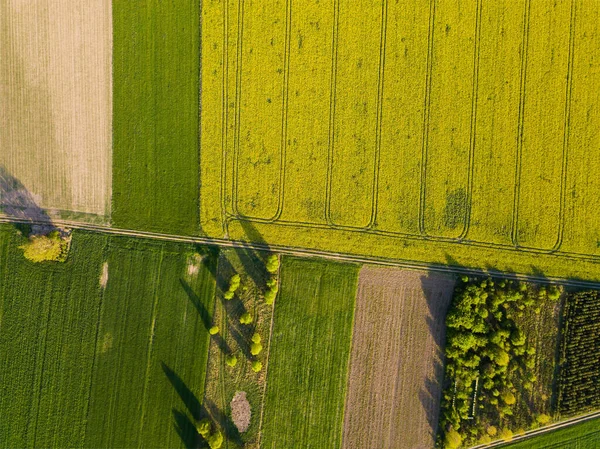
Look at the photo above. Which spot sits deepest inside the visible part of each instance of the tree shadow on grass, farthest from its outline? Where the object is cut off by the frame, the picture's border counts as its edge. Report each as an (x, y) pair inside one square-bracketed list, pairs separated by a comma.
[(205, 316), (186, 430), (210, 255), (187, 396), (223, 421)]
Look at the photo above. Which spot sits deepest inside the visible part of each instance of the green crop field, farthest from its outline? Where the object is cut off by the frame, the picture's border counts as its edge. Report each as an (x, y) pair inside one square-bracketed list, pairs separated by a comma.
[(441, 132), (580, 436), (156, 64), (308, 362), (88, 360)]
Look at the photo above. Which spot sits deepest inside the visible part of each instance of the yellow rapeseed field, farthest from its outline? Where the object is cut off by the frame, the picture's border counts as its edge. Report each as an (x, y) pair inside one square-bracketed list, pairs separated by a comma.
[(461, 132)]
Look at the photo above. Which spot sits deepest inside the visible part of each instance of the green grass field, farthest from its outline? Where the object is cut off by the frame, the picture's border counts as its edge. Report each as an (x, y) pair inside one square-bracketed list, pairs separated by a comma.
[(86, 366), (580, 436), (418, 131), (310, 345), (156, 115)]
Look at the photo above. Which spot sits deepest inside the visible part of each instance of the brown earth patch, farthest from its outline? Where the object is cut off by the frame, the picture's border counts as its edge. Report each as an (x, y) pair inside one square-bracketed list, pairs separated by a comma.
[(240, 411), (396, 371)]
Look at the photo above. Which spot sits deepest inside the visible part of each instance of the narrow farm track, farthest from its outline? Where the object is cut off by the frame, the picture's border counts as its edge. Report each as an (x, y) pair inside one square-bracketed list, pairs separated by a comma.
[(537, 432), (306, 252)]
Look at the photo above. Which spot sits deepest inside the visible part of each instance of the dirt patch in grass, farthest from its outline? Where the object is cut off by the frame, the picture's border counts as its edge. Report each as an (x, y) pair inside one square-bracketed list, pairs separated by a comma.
[(104, 275), (396, 371), (240, 411)]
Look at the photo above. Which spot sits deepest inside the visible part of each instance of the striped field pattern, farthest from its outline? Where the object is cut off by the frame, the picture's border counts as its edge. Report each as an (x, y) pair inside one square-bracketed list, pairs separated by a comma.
[(431, 131)]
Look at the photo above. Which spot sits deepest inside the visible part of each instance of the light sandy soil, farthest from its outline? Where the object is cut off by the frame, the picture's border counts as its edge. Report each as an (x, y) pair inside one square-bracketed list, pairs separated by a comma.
[(56, 101), (104, 275), (394, 384)]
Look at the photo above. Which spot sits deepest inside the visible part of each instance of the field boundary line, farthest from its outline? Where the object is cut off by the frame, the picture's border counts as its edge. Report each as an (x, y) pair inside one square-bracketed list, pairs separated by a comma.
[(284, 125), (566, 140), (380, 89), (426, 117), (238, 108), (150, 345), (330, 255), (38, 391), (224, 118), (536, 432), (473, 130), (262, 407), (332, 92), (93, 365), (521, 123)]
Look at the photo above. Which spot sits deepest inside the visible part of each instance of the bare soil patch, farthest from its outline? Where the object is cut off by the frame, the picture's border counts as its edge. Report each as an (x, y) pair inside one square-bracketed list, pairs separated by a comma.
[(56, 113), (396, 371), (240, 411), (104, 275)]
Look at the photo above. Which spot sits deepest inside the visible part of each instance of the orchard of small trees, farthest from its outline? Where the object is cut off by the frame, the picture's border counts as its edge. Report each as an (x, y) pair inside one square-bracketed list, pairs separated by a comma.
[(487, 351)]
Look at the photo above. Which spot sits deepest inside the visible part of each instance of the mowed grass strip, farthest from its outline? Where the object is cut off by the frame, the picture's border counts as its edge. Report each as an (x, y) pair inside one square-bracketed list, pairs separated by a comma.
[(48, 315), (396, 372), (310, 345), (578, 436), (152, 348), (156, 116)]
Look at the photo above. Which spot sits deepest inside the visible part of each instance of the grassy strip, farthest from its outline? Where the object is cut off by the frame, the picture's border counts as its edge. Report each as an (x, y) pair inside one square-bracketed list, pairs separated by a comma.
[(304, 403), (156, 120), (234, 339), (581, 436)]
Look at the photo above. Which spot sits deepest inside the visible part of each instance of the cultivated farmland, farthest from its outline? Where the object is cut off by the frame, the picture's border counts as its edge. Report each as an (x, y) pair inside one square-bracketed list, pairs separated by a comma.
[(446, 132), (56, 112), (87, 365), (396, 373), (310, 345), (156, 115), (578, 387)]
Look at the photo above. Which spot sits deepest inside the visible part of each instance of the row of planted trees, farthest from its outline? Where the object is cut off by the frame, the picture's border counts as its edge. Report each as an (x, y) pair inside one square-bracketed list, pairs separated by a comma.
[(235, 290)]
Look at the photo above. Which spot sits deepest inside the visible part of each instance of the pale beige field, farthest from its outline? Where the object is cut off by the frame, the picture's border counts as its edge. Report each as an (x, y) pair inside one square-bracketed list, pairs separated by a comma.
[(394, 383), (55, 115)]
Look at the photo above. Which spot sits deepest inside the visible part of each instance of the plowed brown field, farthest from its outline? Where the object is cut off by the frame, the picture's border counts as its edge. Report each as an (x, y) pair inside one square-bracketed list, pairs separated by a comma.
[(394, 384), (55, 112)]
